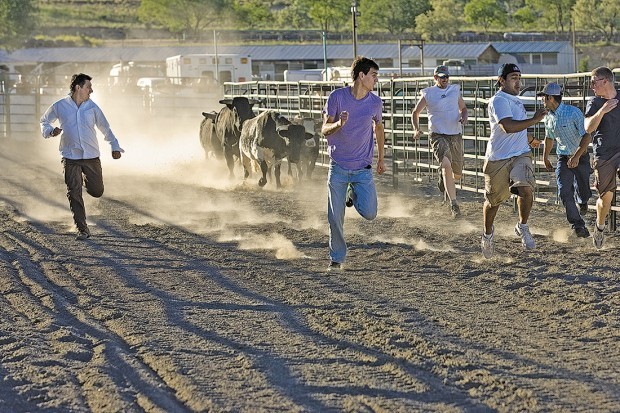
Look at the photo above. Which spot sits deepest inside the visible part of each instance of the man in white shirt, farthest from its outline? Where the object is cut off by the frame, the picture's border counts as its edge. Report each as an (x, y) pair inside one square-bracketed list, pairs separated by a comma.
[(77, 116), (508, 167), (447, 113)]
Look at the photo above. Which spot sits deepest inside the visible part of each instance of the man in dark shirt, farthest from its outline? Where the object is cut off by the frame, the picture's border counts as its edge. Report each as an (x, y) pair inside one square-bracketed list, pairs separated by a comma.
[(603, 123)]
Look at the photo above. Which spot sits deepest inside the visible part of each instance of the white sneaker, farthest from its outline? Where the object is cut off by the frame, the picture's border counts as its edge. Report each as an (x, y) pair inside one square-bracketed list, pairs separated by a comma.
[(598, 237), (527, 240), (488, 248)]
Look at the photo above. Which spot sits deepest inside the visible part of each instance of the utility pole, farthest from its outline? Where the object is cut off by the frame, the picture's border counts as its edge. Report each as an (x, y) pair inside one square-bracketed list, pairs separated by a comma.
[(326, 77), (354, 13)]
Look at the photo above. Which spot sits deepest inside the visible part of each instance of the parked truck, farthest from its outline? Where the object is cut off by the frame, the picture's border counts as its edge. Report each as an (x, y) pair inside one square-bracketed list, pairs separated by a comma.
[(207, 68)]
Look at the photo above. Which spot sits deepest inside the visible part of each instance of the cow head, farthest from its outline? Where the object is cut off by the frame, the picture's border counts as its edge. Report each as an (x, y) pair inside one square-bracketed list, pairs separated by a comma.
[(242, 106), (210, 115), (296, 137)]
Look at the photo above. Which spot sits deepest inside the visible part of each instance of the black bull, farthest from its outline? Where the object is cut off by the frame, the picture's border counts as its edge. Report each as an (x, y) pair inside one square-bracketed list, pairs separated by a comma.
[(220, 133), (269, 138)]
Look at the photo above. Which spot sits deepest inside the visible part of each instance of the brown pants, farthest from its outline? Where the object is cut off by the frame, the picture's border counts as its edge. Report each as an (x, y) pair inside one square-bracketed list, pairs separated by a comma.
[(78, 172)]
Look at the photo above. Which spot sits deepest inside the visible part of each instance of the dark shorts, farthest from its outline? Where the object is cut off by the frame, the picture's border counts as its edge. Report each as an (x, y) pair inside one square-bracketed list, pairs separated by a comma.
[(605, 174), (451, 147)]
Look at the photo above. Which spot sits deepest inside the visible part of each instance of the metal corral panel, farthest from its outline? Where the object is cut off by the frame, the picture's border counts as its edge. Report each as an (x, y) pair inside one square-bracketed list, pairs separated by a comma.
[(23, 110)]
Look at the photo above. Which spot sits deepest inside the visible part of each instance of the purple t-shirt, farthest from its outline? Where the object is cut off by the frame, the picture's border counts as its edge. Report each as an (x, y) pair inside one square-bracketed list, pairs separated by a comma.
[(352, 146)]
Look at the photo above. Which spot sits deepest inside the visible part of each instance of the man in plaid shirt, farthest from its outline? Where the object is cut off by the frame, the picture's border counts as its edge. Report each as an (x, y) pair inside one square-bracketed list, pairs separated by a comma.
[(564, 124)]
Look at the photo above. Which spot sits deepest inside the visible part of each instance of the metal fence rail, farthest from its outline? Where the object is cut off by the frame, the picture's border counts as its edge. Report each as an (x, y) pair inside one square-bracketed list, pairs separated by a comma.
[(412, 160), (408, 160)]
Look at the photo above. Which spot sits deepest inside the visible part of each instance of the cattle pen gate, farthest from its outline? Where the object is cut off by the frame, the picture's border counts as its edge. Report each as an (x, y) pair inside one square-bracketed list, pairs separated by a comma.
[(409, 161), (412, 160)]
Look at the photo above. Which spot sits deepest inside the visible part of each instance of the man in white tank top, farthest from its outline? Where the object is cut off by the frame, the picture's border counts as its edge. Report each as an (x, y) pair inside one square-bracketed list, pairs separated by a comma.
[(446, 114)]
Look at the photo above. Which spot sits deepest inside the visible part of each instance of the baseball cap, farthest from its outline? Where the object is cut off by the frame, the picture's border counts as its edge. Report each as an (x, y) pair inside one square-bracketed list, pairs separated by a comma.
[(506, 69), (551, 89), (442, 71)]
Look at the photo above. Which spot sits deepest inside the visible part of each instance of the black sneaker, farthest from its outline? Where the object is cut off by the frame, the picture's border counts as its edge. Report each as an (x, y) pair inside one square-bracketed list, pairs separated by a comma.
[(583, 209), (349, 200), (582, 232), (335, 267)]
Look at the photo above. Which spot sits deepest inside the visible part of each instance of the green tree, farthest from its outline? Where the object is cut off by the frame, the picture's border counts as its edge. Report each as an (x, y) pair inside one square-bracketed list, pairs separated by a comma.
[(484, 13), (188, 16), (17, 19), (394, 16), (328, 14), (441, 22), (525, 17), (602, 16), (252, 13), (553, 12), (294, 16)]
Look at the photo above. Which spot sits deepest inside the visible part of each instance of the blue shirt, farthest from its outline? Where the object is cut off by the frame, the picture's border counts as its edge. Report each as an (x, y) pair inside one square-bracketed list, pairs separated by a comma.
[(352, 146), (566, 126), (78, 139)]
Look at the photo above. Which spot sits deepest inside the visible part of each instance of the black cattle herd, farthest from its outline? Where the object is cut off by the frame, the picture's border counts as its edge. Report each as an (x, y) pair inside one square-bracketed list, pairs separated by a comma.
[(260, 142)]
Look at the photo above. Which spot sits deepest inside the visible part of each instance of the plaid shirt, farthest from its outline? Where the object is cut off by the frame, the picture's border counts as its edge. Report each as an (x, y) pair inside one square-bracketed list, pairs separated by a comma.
[(566, 126)]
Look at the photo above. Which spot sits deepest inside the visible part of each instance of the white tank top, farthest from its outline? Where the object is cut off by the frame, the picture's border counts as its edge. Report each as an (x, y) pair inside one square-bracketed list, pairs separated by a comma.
[(442, 106)]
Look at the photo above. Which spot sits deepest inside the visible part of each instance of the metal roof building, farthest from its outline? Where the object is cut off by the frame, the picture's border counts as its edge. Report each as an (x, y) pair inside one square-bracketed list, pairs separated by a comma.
[(535, 57)]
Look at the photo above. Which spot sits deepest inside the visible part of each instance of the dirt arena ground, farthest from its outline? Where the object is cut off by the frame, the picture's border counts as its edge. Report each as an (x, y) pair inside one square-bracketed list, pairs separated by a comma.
[(197, 293)]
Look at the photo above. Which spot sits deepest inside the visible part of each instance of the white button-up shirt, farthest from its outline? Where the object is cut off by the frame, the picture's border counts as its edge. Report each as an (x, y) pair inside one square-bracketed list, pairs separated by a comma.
[(79, 138)]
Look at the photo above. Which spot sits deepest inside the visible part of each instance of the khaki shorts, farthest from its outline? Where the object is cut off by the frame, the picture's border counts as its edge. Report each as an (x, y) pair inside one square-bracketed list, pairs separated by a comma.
[(503, 177), (451, 147), (605, 174)]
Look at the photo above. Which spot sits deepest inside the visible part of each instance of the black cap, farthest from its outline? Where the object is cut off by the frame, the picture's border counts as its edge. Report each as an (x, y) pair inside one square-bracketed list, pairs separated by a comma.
[(506, 69)]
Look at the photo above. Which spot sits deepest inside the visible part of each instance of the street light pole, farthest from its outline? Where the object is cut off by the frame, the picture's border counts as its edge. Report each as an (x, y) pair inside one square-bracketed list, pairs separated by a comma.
[(354, 13)]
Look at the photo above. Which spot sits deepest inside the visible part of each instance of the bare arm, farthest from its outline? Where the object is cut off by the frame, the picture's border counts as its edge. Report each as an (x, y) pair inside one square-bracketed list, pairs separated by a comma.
[(510, 125), (415, 117), (330, 125), (548, 147), (462, 110), (583, 148), (380, 137), (592, 122)]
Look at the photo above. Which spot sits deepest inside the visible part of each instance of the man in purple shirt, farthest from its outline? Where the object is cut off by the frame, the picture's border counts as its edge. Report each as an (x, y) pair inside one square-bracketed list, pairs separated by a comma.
[(351, 115)]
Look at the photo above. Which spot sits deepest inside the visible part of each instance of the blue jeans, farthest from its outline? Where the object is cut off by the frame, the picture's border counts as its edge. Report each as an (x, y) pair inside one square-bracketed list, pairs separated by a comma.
[(364, 200), (573, 186)]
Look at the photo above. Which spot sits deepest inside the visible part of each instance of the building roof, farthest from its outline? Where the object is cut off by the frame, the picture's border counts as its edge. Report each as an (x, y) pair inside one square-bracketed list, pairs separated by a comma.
[(272, 52), (530, 47)]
